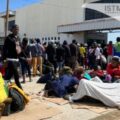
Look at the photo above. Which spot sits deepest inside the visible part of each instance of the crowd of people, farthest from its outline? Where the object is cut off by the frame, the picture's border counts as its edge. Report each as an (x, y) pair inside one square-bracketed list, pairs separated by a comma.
[(60, 66), (34, 57)]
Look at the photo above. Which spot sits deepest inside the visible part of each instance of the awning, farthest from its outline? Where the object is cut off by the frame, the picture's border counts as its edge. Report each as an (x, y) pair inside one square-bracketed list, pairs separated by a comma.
[(11, 14), (90, 25)]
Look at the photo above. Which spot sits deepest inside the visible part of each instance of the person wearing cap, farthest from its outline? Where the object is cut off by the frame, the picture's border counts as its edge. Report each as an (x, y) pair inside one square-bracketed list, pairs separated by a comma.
[(11, 50), (113, 68)]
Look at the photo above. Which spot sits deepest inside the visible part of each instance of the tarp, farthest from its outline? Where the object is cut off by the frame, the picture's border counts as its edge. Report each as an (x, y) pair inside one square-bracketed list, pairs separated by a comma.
[(108, 93)]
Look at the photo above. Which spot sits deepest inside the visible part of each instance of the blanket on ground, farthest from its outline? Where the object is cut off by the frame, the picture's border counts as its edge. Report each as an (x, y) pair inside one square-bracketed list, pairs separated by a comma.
[(108, 93)]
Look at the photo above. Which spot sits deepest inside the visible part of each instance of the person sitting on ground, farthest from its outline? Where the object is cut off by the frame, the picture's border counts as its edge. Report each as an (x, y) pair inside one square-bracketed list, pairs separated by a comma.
[(80, 73), (113, 68), (97, 72), (63, 85)]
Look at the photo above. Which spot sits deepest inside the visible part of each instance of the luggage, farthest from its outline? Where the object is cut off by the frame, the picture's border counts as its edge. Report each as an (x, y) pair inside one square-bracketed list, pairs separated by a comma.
[(18, 103), (26, 97), (19, 98)]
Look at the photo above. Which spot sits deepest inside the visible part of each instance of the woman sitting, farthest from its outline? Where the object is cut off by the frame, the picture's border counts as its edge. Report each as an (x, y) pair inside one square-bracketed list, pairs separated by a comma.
[(113, 69)]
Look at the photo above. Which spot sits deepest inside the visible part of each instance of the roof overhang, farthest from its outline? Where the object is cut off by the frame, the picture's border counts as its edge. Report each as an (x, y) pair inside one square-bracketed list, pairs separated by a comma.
[(89, 1), (90, 25), (11, 14)]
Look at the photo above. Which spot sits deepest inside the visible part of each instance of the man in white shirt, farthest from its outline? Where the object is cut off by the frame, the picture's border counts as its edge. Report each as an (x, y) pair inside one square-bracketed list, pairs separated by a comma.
[(97, 54)]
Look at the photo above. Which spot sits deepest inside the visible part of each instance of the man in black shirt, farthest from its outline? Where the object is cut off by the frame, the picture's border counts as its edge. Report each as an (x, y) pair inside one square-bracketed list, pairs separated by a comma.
[(74, 54), (11, 50), (60, 56)]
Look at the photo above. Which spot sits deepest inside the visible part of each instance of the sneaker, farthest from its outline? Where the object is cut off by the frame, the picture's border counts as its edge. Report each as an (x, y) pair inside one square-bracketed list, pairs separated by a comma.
[(68, 97)]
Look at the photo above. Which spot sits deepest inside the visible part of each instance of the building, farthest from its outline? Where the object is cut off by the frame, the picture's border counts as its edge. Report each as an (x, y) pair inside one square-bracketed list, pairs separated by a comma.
[(52, 20), (1, 30), (94, 23)]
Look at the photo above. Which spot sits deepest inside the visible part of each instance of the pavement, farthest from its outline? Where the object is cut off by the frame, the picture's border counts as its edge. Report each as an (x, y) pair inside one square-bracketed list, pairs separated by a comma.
[(67, 112)]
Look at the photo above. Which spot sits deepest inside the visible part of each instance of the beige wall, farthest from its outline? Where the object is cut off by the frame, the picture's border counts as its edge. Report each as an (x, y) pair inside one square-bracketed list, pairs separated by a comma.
[(41, 20)]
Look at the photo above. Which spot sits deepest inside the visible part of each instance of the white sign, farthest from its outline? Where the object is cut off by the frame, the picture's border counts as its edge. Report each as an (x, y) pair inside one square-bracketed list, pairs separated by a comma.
[(110, 9)]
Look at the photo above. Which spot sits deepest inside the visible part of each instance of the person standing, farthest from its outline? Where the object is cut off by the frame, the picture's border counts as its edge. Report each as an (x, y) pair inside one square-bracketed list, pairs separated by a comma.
[(40, 51), (82, 54), (74, 54), (51, 55), (11, 50), (25, 59), (91, 57), (97, 54), (110, 49), (117, 47), (67, 53), (60, 55), (33, 50)]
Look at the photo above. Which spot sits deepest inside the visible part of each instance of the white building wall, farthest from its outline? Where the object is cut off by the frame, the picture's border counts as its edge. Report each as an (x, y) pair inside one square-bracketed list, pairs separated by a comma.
[(1, 27), (41, 20), (79, 37)]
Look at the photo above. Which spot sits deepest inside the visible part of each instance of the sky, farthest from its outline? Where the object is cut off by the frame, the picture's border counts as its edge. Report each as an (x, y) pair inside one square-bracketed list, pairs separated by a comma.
[(113, 36), (14, 4)]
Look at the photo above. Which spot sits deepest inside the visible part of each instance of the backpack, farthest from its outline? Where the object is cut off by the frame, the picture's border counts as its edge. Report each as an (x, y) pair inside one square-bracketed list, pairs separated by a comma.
[(18, 103)]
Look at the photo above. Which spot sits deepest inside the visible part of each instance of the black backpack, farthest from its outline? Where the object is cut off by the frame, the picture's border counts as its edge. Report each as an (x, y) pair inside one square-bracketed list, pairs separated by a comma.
[(18, 103)]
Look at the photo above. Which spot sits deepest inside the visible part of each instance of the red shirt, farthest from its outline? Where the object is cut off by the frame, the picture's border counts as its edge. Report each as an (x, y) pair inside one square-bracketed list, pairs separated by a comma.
[(99, 73), (113, 71), (110, 50)]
